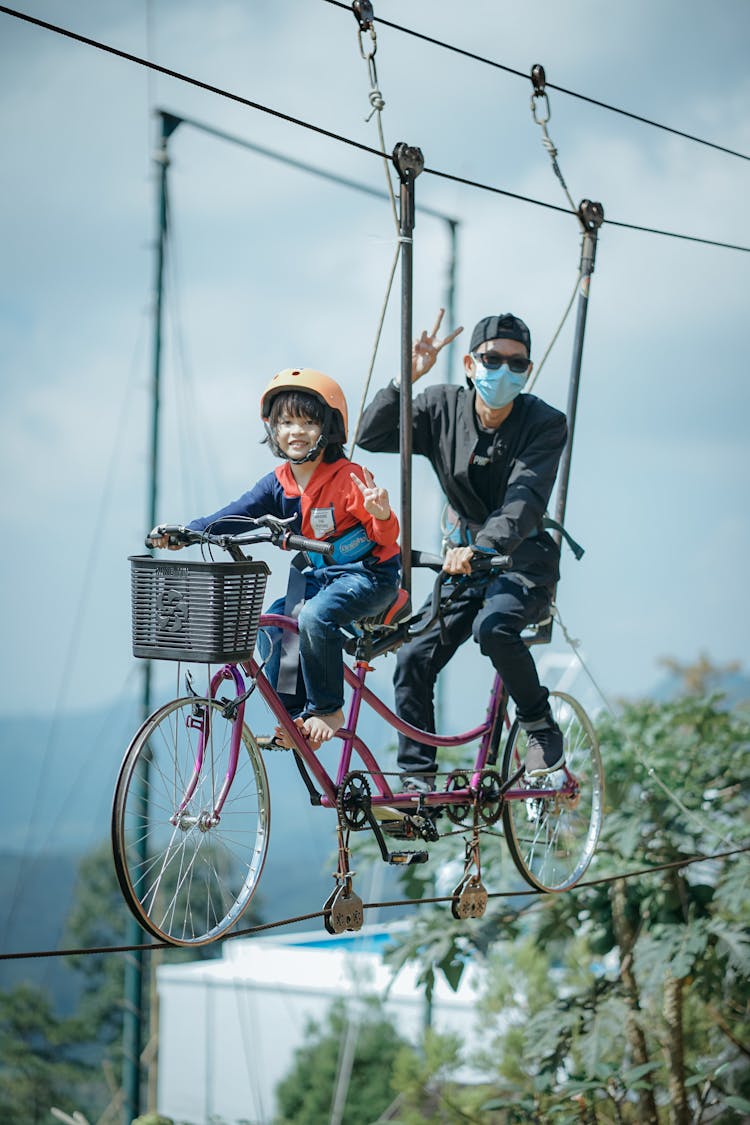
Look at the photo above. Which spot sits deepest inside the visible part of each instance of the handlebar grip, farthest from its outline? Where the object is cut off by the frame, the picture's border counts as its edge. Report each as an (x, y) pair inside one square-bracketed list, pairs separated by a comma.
[(175, 531), (292, 542), (492, 562)]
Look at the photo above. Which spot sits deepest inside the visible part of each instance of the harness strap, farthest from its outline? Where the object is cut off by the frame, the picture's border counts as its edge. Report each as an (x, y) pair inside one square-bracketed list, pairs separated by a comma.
[(576, 548), (465, 530), (295, 599)]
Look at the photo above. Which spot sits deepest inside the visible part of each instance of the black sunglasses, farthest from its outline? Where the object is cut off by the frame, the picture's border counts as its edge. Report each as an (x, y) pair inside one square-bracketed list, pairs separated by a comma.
[(493, 360)]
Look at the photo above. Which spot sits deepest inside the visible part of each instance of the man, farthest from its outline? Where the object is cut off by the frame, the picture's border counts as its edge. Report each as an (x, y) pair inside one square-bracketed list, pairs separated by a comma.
[(495, 452)]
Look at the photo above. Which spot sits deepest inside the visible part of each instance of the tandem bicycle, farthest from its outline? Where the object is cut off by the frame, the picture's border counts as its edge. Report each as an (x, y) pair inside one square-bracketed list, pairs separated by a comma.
[(191, 813)]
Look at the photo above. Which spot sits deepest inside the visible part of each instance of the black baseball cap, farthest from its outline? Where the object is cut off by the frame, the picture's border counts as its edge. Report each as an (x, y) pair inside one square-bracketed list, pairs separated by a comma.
[(506, 326)]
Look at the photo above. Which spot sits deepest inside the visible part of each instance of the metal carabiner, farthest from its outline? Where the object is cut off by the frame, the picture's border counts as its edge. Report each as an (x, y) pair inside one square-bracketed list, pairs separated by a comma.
[(538, 96), (539, 79), (364, 15)]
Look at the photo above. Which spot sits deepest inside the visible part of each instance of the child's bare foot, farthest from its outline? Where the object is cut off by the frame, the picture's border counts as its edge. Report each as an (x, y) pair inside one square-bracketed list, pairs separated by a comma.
[(283, 738), (319, 728)]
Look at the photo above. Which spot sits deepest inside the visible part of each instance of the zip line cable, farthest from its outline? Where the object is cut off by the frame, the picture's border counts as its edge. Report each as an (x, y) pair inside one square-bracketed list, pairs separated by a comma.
[(562, 89), (676, 864), (240, 100), (566, 211)]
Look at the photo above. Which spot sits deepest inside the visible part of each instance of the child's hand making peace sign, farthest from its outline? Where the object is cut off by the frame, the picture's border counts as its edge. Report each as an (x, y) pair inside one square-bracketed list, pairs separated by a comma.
[(375, 498)]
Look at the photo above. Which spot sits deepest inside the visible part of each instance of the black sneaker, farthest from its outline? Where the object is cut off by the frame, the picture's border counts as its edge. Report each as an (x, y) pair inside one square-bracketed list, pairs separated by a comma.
[(544, 750)]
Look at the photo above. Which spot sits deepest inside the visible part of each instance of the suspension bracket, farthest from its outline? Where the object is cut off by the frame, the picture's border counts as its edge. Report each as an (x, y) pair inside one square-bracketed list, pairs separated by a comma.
[(469, 899), (343, 909)]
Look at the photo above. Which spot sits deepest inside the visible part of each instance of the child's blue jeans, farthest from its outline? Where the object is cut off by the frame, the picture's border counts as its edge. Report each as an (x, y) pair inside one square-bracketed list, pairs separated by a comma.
[(334, 596)]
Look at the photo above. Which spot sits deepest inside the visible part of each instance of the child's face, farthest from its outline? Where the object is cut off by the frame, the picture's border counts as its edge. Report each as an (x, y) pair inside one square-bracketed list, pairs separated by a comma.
[(296, 435)]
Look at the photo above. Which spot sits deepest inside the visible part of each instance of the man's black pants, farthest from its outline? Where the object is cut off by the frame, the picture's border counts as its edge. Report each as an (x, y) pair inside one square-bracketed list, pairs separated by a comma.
[(495, 613)]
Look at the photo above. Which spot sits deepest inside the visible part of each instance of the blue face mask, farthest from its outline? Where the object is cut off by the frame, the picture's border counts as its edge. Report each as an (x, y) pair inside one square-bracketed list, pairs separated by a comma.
[(498, 388)]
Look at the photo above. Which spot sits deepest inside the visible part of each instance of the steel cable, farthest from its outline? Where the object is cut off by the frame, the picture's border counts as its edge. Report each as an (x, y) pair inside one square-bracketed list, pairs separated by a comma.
[(250, 930), (211, 89), (561, 89)]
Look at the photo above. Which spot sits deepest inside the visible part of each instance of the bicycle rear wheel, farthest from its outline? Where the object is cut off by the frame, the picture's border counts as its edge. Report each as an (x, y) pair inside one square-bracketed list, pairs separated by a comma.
[(552, 838), (186, 876)]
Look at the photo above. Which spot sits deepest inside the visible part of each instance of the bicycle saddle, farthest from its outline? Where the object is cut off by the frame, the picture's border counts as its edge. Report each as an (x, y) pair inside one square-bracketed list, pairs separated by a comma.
[(397, 611)]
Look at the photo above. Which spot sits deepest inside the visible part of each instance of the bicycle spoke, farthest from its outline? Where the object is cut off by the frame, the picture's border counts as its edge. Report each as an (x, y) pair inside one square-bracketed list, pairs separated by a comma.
[(552, 837), (186, 876)]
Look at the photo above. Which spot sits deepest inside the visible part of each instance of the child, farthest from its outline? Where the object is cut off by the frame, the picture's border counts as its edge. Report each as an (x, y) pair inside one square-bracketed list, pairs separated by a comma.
[(305, 416)]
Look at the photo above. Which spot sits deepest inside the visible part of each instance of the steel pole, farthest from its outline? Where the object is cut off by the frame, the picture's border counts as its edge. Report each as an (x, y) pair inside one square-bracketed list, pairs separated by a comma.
[(133, 1016), (450, 295), (409, 163), (591, 216)]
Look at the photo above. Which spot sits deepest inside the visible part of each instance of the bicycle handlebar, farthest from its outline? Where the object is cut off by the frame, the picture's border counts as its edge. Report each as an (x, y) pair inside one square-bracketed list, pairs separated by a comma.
[(269, 530), (479, 564)]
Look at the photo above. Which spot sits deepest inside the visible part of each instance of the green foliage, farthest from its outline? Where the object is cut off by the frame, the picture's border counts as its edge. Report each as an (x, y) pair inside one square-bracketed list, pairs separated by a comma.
[(38, 1068), (598, 999), (305, 1096), (427, 1093)]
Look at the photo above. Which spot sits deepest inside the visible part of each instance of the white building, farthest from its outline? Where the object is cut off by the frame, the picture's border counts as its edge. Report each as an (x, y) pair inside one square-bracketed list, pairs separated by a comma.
[(228, 1028)]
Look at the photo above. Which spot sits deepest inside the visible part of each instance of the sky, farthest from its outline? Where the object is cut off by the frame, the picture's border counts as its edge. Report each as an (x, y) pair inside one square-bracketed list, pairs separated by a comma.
[(271, 267)]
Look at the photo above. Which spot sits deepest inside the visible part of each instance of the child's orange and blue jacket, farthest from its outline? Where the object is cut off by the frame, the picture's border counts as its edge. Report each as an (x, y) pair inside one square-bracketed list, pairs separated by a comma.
[(330, 508)]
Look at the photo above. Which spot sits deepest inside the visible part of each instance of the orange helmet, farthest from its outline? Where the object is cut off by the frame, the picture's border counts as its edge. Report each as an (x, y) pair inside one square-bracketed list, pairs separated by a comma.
[(312, 382)]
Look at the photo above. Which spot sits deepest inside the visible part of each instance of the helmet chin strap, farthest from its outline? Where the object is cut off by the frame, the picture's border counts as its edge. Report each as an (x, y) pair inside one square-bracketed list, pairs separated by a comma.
[(316, 450)]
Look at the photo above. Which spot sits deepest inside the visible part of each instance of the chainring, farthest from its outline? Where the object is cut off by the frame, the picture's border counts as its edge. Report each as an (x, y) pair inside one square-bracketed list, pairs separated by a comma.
[(490, 796), (457, 814), (353, 801)]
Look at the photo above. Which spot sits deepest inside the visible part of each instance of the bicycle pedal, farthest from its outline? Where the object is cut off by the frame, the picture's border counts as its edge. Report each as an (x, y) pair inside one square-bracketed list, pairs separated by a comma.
[(405, 859), (269, 742)]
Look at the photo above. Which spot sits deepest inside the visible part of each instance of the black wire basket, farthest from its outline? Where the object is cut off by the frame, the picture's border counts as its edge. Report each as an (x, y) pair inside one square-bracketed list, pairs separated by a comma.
[(206, 612)]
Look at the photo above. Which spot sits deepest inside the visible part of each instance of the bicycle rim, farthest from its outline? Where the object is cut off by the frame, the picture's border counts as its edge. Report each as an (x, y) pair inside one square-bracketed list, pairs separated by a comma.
[(186, 879), (553, 839)]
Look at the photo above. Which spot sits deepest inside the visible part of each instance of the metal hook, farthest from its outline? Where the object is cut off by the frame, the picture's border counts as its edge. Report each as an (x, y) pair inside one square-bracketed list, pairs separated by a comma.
[(535, 97)]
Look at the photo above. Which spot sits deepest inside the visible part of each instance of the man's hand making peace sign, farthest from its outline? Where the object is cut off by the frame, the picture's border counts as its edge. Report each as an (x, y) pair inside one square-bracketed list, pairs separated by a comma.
[(426, 348)]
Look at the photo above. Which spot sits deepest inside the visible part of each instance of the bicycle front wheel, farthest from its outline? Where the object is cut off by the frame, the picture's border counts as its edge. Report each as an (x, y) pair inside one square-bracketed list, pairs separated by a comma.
[(552, 838), (186, 873)]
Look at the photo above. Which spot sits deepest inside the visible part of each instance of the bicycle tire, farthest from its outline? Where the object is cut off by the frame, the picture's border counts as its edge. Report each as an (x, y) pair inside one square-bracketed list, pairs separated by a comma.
[(552, 839), (188, 882)]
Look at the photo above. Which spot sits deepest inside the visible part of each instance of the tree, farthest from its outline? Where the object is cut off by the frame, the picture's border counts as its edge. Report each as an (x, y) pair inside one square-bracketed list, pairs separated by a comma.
[(38, 1067), (629, 1000), (306, 1095)]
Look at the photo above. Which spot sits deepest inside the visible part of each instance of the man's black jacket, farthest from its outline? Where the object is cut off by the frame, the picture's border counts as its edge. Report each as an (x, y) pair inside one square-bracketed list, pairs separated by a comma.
[(527, 451)]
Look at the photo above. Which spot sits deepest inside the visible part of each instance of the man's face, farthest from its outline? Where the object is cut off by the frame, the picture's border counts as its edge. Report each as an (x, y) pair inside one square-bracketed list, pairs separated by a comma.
[(497, 351)]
